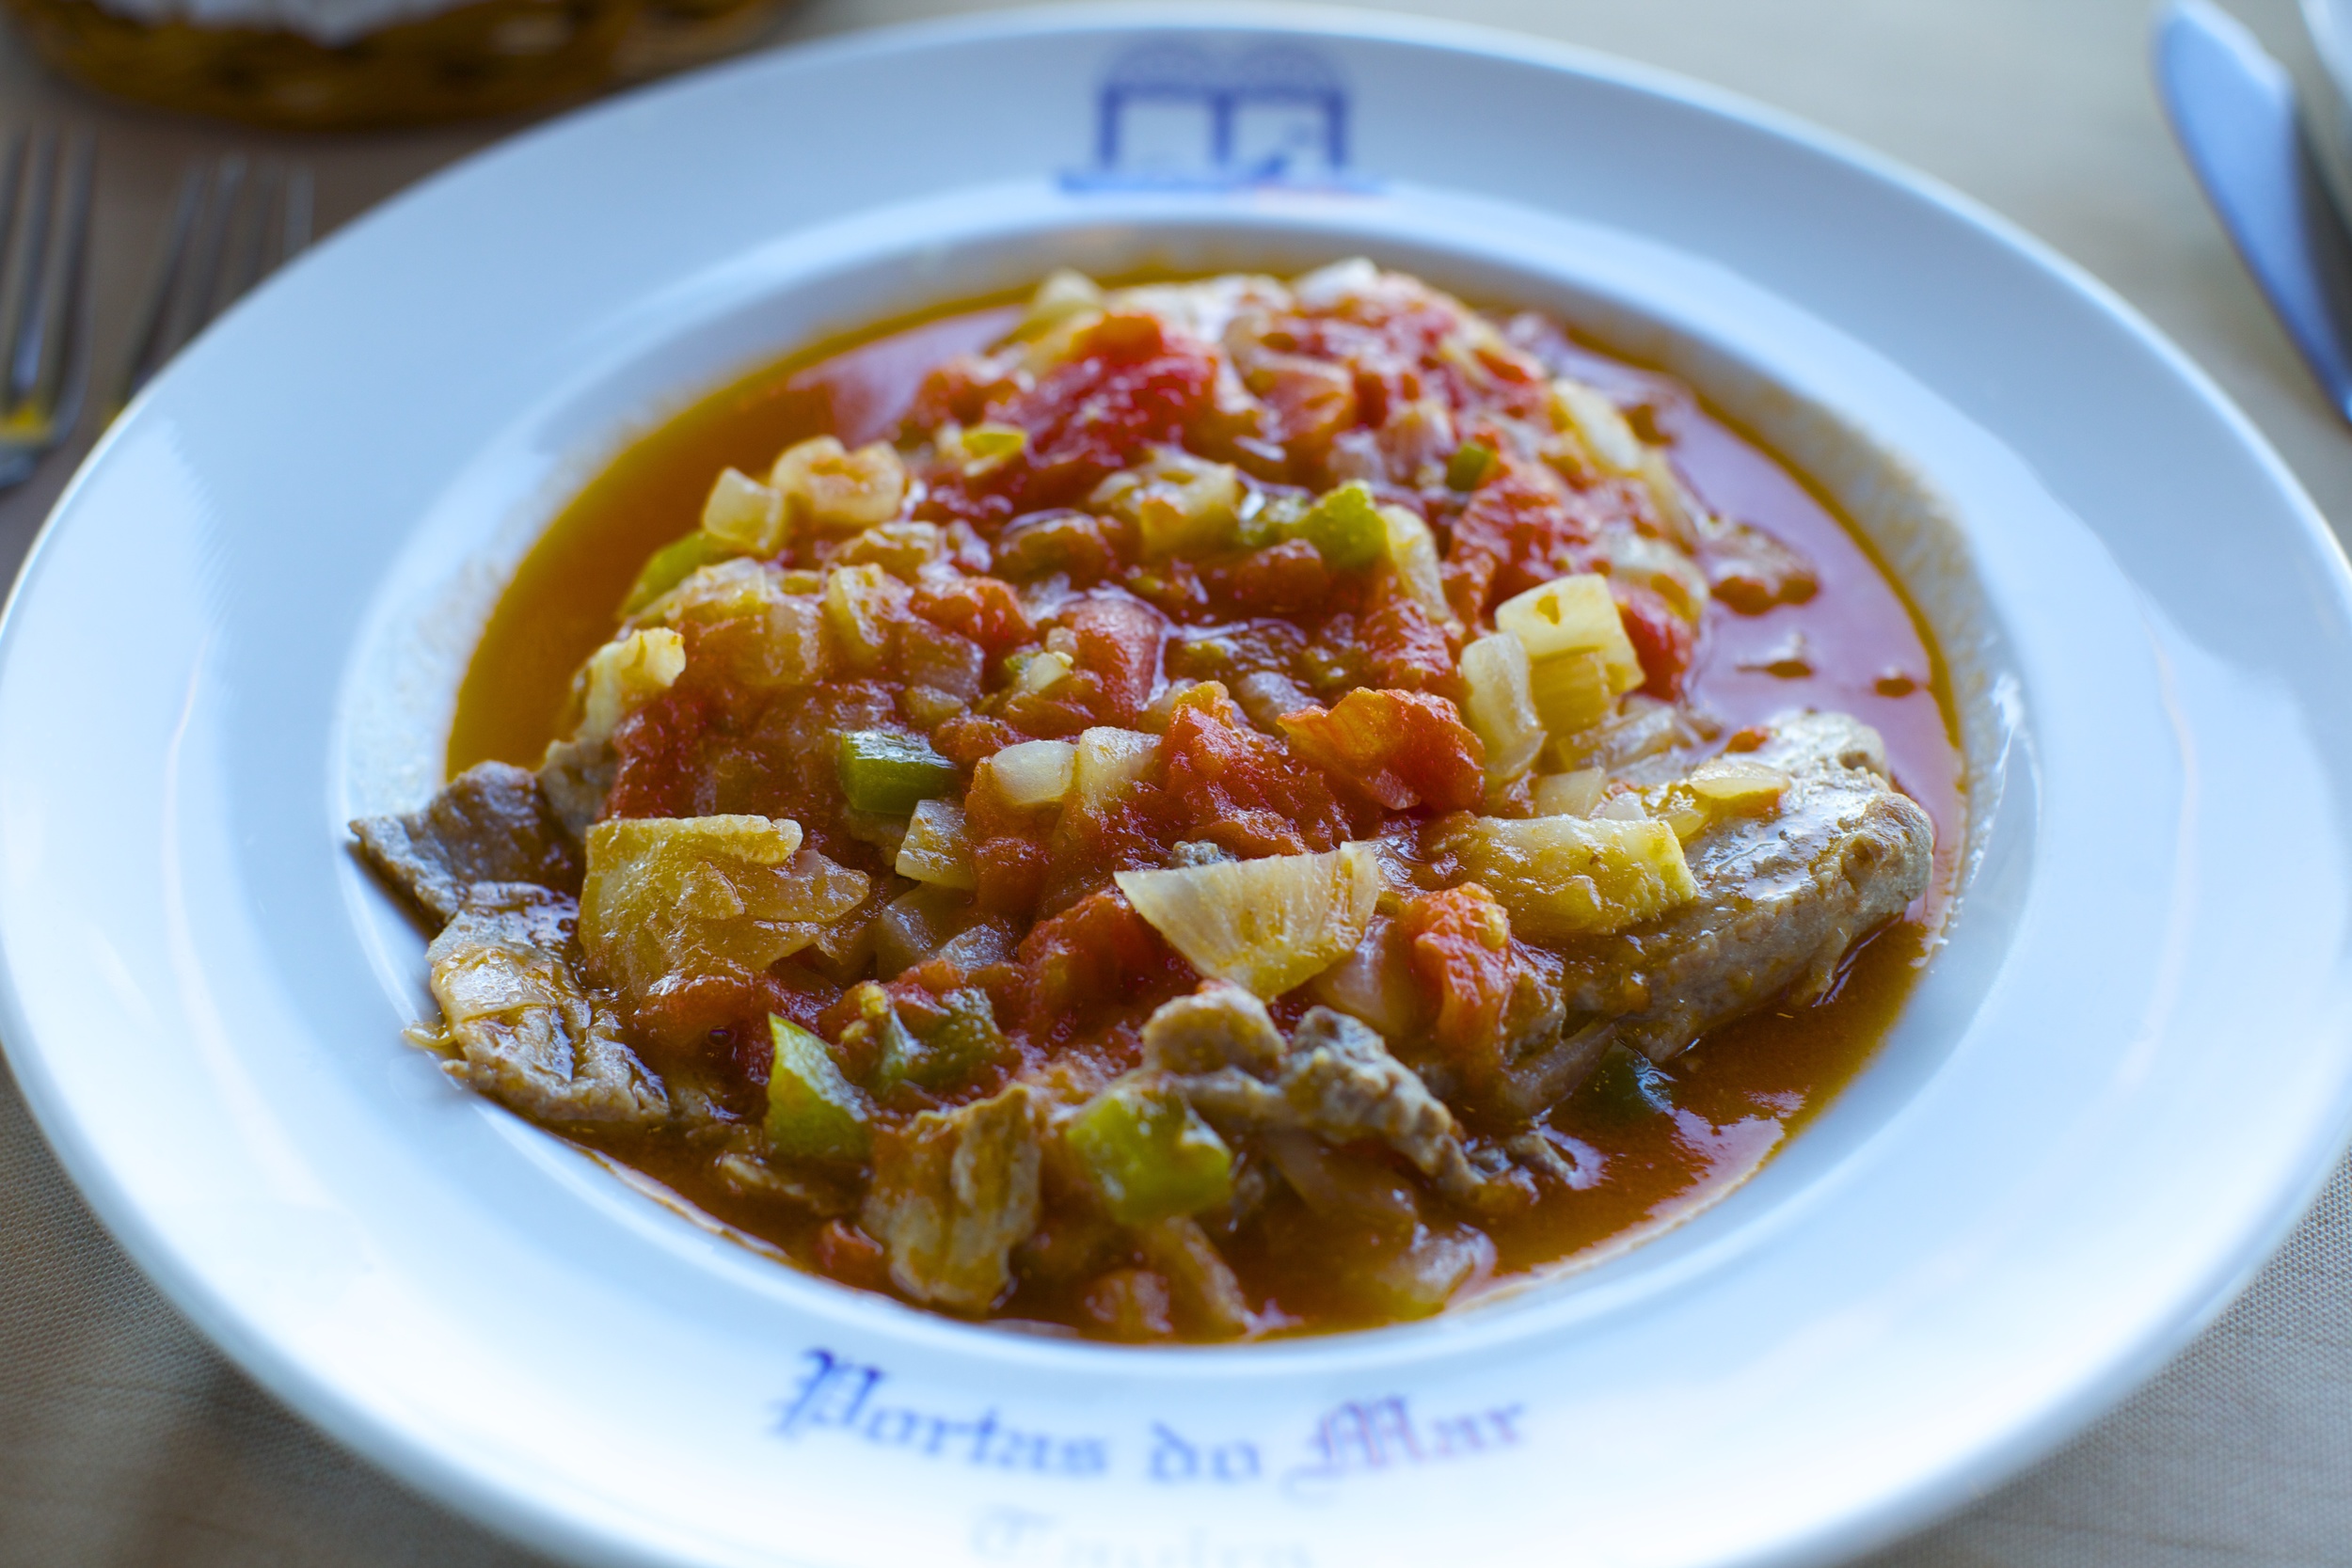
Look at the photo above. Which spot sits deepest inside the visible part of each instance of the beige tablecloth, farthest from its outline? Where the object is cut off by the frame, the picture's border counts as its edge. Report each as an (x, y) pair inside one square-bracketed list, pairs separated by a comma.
[(124, 1439)]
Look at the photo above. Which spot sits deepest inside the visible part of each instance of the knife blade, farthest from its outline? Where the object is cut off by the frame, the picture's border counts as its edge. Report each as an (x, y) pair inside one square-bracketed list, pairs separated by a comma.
[(2233, 108)]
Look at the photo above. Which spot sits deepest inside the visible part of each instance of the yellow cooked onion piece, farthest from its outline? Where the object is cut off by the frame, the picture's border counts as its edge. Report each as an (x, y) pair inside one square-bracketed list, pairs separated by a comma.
[(624, 674), (745, 515), (1265, 924), (1177, 501), (679, 896), (1572, 615), (1106, 761), (1714, 792), (1573, 794), (1571, 690), (1587, 412), (769, 637), (1412, 552), (1735, 782), (1500, 706), (839, 490), (937, 849), (1570, 876), (861, 603), (1032, 773)]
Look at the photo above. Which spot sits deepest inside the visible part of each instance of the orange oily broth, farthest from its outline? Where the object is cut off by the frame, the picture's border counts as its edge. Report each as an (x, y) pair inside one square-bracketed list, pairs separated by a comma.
[(1737, 1097), (561, 605), (1856, 646)]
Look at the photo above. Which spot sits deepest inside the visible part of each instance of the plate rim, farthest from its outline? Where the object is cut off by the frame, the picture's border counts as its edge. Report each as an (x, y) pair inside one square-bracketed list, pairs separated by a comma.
[(528, 1518)]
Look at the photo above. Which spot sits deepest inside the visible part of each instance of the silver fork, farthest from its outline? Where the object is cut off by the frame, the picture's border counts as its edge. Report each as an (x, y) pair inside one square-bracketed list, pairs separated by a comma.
[(232, 224), (44, 294)]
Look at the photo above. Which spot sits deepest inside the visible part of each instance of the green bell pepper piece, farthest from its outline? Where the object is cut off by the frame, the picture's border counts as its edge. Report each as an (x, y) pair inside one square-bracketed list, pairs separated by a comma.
[(946, 1053), (890, 773), (1626, 1086), (1344, 526), (1274, 519), (813, 1112), (1149, 1154), (1468, 467), (672, 565)]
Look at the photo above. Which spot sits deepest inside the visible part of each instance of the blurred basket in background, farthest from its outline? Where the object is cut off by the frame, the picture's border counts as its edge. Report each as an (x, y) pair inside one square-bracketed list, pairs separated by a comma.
[(343, 64)]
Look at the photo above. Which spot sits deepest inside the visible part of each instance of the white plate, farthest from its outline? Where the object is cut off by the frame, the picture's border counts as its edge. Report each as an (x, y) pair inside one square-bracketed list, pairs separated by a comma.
[(2112, 1092)]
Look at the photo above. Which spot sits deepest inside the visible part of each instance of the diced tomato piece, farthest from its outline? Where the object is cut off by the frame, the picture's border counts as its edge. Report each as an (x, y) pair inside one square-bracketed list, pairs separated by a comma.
[(1308, 401), (917, 991), (659, 747), (1171, 586), (1404, 649), (958, 390), (1130, 388), (1008, 988), (969, 739), (1009, 872), (950, 496), (1119, 645), (1053, 715), (800, 995), (1519, 381), (1132, 385), (687, 1017), (718, 1019), (1662, 640), (1122, 338), (1097, 950), (1461, 946), (1527, 527), (1469, 578), (1280, 579), (986, 609), (1087, 419), (1391, 347), (1403, 749), (1242, 789), (1131, 832)]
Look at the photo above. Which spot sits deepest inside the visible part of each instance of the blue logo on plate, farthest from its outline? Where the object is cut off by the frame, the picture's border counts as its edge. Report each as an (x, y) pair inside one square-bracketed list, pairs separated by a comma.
[(1174, 115)]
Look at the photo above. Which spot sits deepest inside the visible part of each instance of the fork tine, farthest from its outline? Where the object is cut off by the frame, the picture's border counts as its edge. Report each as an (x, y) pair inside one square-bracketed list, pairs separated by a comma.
[(45, 186), (70, 377), (152, 345), (293, 232), (211, 250), (29, 320), (253, 231), (216, 247), (11, 177)]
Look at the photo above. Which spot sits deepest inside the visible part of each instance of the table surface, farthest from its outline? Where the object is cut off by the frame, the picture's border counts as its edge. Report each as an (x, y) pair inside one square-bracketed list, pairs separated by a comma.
[(124, 1439)]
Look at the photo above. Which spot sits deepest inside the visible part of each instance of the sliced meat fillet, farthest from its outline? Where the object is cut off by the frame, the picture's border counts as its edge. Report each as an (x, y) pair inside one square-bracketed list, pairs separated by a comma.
[(954, 1192), (1344, 1084), (1335, 1078), (1219, 1025), (1783, 896), (519, 1024), (492, 824)]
